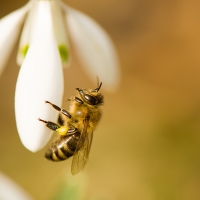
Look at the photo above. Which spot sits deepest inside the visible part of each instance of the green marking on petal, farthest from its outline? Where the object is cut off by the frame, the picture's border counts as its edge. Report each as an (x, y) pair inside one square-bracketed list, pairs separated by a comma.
[(64, 53), (25, 50)]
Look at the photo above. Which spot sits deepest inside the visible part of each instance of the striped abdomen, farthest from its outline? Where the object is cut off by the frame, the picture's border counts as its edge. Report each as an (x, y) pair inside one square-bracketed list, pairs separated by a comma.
[(63, 148)]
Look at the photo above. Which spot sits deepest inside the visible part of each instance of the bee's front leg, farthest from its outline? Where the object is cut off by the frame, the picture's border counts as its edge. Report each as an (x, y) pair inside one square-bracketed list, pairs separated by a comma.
[(78, 100)]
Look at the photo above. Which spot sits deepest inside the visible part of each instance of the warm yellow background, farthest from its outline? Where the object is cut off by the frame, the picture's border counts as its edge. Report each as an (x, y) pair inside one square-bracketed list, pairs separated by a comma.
[(148, 142)]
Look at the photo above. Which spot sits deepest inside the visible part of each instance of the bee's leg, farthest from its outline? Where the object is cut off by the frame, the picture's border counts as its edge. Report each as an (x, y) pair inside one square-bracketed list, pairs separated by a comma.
[(50, 125), (63, 111), (71, 130), (61, 121), (61, 130), (78, 100)]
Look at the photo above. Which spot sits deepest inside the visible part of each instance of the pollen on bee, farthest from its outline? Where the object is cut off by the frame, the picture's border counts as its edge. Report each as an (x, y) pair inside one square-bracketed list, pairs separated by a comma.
[(62, 130)]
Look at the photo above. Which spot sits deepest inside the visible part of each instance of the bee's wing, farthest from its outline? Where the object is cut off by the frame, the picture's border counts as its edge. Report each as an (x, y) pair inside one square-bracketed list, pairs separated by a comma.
[(83, 148)]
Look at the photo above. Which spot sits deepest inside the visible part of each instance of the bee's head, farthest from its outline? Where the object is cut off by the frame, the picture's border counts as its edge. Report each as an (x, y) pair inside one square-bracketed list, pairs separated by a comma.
[(91, 97)]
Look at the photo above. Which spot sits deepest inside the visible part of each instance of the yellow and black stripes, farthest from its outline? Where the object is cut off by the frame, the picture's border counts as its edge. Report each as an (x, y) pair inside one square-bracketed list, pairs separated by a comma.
[(63, 148)]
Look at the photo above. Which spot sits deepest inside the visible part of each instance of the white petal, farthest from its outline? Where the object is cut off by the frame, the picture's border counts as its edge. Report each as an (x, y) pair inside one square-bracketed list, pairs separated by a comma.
[(9, 30), (94, 48), (10, 190), (40, 78), (33, 25)]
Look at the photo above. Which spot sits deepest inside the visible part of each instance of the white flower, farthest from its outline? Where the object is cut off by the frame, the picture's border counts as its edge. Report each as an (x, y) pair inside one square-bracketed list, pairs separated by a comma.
[(43, 50)]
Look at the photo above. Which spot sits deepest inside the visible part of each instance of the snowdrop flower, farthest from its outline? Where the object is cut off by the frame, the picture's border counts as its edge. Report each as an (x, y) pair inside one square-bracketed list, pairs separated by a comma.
[(43, 50)]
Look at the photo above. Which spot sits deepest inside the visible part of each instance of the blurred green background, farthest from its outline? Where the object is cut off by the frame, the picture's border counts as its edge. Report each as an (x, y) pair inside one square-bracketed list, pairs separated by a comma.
[(147, 144)]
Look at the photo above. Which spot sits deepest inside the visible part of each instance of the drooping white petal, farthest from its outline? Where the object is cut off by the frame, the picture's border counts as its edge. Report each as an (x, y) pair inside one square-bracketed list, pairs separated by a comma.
[(40, 78), (94, 47), (9, 190), (9, 30), (32, 26)]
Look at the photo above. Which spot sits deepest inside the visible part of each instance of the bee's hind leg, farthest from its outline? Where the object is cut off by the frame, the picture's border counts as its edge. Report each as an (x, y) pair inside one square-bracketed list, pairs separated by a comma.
[(63, 111), (51, 125), (61, 130)]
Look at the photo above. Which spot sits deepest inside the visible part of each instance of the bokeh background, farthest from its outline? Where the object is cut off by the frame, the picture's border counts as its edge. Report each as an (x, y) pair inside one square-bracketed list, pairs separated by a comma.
[(147, 144)]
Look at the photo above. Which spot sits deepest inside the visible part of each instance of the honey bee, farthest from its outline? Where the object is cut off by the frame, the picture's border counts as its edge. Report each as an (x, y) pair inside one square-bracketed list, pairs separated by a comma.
[(76, 128)]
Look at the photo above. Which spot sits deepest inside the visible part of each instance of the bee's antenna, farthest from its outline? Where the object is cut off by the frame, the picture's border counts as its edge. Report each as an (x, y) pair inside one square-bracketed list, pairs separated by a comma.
[(97, 81), (99, 87)]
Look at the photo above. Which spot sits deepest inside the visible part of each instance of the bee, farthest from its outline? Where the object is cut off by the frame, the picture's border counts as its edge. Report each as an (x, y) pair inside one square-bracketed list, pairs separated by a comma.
[(76, 128)]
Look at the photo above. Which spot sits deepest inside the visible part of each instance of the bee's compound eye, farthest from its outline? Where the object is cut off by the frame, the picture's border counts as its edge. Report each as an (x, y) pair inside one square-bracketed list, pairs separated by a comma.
[(90, 99)]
